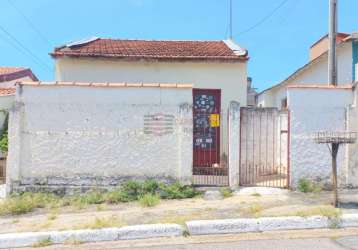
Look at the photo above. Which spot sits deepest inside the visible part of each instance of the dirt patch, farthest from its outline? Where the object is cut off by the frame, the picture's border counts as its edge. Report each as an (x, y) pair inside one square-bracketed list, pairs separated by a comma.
[(168, 211)]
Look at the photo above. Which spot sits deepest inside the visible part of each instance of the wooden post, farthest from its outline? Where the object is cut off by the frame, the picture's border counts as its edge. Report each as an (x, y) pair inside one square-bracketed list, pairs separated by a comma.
[(335, 147)]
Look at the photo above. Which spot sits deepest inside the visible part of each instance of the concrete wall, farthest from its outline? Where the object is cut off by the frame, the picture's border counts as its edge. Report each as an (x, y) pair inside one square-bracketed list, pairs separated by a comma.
[(352, 152), (234, 144), (231, 78), (81, 136), (313, 110), (316, 73)]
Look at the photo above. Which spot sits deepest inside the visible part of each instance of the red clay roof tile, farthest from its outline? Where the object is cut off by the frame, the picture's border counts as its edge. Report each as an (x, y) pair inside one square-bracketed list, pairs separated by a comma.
[(13, 73), (145, 49), (7, 91)]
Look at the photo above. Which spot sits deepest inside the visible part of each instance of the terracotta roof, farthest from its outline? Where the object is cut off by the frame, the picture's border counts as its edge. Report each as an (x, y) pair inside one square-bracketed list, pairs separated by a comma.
[(7, 91), (13, 73), (107, 84), (149, 49)]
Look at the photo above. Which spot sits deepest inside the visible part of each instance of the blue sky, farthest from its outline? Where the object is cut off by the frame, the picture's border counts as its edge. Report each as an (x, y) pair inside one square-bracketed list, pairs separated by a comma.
[(276, 47)]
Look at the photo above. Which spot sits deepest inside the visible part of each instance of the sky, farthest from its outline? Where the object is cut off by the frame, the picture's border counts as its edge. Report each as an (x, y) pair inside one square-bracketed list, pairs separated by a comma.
[(277, 41)]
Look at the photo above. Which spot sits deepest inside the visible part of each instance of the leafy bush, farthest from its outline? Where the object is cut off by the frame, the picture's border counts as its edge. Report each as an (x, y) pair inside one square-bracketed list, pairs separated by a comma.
[(226, 192), (150, 186), (132, 189), (176, 191), (149, 200), (308, 186)]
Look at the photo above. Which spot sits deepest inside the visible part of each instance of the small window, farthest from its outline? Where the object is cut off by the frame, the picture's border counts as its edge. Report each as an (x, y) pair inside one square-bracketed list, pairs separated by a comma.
[(284, 103)]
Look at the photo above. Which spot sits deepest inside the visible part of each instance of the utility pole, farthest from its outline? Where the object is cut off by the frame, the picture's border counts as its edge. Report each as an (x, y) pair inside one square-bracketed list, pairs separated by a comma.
[(332, 53), (230, 21)]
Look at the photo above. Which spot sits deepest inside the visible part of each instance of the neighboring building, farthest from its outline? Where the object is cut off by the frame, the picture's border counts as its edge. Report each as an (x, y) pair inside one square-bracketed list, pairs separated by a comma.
[(315, 71), (8, 77), (251, 93)]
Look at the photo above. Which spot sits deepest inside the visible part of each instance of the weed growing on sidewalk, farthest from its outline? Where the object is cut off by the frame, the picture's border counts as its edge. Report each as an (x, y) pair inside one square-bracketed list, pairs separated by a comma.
[(327, 211), (43, 243), (256, 195), (149, 200), (149, 192), (308, 186), (99, 223), (226, 192), (255, 210), (73, 241)]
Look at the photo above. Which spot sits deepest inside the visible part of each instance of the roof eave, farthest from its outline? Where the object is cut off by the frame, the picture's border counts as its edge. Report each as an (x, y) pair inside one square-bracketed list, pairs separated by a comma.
[(153, 58)]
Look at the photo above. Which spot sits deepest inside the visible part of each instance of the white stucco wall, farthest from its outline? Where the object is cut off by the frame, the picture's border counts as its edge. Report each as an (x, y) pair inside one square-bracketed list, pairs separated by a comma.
[(352, 153), (316, 73), (85, 136), (314, 110), (231, 78)]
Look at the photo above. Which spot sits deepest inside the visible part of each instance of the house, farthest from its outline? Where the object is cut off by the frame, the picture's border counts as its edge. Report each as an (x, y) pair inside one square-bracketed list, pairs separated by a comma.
[(315, 106), (205, 64), (8, 77), (216, 69), (315, 71), (129, 109)]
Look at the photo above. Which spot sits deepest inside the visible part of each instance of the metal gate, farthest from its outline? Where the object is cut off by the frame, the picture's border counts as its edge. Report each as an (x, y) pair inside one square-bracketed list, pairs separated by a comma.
[(264, 147), (208, 166)]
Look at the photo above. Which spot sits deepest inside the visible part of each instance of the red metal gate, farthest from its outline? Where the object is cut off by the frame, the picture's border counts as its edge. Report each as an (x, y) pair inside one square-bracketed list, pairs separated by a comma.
[(264, 147), (206, 138)]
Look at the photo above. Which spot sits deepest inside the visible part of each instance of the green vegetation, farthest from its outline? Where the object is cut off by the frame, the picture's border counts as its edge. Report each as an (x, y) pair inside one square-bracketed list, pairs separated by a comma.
[(43, 243), (226, 192), (148, 193), (149, 200), (99, 223), (308, 186), (255, 210), (256, 195), (4, 133), (73, 241), (327, 211), (176, 191)]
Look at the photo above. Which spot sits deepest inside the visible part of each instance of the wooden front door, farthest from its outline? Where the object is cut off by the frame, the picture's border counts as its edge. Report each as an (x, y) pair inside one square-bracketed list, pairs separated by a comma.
[(206, 127)]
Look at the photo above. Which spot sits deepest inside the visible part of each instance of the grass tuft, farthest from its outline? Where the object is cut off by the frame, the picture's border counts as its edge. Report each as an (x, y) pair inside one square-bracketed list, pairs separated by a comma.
[(73, 241), (226, 192), (255, 210), (256, 194), (148, 193), (43, 243), (327, 211), (99, 223), (308, 186), (149, 200)]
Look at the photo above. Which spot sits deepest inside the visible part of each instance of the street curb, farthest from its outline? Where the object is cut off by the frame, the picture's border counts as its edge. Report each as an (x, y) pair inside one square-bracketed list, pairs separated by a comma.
[(231, 226), (199, 227), (96, 235)]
